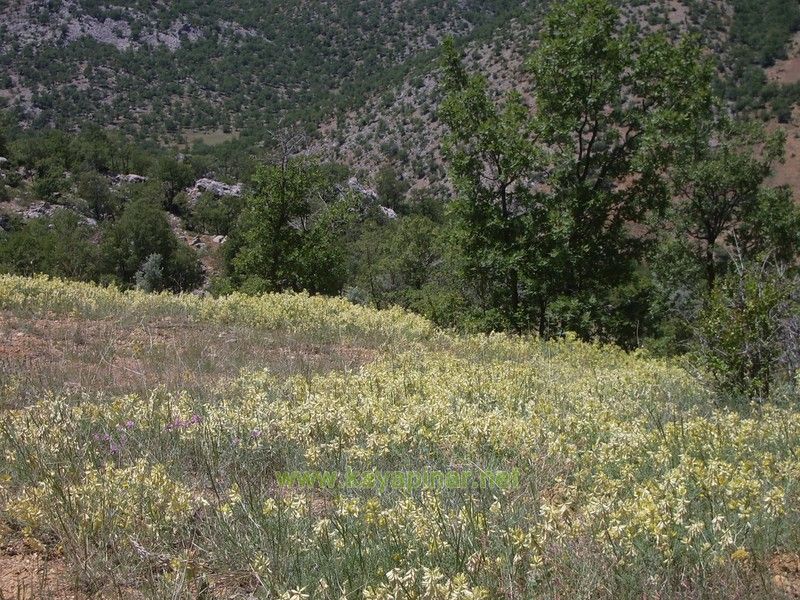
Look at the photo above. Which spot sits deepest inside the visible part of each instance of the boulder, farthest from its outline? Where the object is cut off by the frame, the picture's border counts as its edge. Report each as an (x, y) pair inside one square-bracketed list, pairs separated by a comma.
[(43, 210), (217, 188), (369, 197), (366, 193), (130, 178), (388, 212), (39, 210)]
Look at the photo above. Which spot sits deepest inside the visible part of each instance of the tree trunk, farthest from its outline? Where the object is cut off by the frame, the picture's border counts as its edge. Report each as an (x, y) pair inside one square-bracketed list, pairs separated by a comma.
[(711, 270)]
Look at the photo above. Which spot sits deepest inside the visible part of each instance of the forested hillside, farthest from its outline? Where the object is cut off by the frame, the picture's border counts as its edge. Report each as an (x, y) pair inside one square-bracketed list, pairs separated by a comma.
[(749, 42), (171, 68), (360, 75)]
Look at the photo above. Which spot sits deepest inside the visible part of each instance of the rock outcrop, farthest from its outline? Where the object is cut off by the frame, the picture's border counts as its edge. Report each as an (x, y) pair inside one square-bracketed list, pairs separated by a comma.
[(219, 189), (43, 210), (369, 197), (129, 178)]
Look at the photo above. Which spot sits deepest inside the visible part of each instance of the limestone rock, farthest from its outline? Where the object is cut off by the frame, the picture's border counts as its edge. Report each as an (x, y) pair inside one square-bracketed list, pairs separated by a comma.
[(217, 188), (130, 178)]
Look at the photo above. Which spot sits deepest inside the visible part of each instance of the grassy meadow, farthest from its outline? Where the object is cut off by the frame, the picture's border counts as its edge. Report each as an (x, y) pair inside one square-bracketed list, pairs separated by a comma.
[(140, 437)]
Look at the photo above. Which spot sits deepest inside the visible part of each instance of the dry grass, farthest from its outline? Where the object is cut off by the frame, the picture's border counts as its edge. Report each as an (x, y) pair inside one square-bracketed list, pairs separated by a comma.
[(74, 354)]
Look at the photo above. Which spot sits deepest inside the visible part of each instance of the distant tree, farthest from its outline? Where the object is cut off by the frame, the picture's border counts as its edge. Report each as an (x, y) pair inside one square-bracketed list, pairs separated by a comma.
[(215, 215), (391, 188), (50, 179), (93, 188), (4, 127), (150, 276), (286, 236), (722, 209), (397, 260), (322, 258), (718, 182), (175, 175), (60, 246)]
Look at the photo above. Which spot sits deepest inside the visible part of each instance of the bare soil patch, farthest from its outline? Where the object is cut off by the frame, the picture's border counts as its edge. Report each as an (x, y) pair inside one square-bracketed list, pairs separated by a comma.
[(31, 577), (788, 70), (77, 354), (785, 572)]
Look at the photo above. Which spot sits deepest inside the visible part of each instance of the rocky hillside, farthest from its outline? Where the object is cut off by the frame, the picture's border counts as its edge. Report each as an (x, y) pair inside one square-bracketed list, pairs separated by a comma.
[(173, 68), (360, 75), (399, 125)]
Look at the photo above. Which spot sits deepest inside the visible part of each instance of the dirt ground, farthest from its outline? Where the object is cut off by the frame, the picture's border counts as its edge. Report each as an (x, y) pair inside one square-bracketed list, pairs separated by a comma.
[(785, 572), (74, 354), (788, 70)]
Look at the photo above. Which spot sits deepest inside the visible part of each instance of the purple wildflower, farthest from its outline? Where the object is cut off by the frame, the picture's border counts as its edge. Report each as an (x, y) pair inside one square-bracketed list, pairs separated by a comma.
[(179, 423)]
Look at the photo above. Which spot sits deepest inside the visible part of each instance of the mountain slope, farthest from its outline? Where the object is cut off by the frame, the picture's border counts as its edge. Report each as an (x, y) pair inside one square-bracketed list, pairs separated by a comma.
[(360, 76), (170, 67), (756, 63)]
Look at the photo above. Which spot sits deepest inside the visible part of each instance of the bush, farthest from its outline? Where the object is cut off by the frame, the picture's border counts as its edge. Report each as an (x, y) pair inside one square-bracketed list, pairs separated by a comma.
[(59, 246), (93, 189), (150, 277), (215, 216), (748, 336), (141, 231)]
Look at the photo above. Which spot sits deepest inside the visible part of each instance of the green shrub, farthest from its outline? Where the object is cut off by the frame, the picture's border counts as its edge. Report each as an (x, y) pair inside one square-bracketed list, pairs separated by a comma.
[(214, 215), (141, 231), (150, 277), (747, 335), (59, 246), (93, 189)]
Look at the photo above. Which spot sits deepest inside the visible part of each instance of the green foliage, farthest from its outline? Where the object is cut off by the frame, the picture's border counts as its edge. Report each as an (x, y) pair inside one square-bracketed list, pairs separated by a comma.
[(94, 190), (762, 28), (174, 175), (59, 246), (399, 263), (322, 257), (215, 215), (760, 33), (287, 236), (141, 231), (250, 65), (391, 188), (4, 126), (488, 208), (546, 196), (721, 208), (54, 151), (748, 331), (717, 182), (150, 277)]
